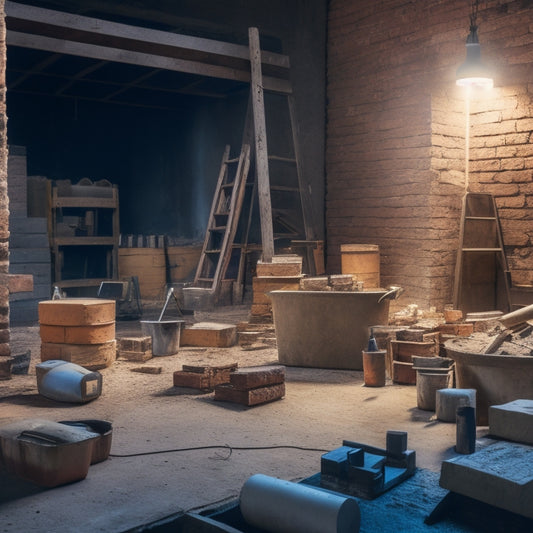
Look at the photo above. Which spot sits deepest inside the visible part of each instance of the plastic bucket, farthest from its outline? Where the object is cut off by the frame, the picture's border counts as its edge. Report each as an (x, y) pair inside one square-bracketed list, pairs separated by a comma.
[(165, 335)]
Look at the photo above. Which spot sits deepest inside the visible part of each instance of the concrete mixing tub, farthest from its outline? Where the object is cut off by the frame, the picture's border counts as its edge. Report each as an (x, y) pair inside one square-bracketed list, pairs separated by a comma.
[(498, 379), (326, 329)]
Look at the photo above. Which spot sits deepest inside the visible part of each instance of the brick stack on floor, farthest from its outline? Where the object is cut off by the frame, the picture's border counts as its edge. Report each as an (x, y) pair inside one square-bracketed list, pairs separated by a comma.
[(78, 330), (203, 377), (253, 386), (283, 273), (138, 349)]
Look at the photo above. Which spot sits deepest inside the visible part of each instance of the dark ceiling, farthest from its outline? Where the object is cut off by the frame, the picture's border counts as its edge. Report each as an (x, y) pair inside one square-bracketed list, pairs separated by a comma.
[(36, 72)]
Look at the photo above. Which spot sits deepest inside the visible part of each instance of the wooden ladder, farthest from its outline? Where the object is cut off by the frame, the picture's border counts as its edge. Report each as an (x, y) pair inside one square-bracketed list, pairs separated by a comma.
[(223, 221), (481, 273), (284, 203)]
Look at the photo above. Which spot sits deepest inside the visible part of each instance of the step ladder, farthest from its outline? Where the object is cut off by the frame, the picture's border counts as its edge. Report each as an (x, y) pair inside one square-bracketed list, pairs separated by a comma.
[(482, 277), (223, 222)]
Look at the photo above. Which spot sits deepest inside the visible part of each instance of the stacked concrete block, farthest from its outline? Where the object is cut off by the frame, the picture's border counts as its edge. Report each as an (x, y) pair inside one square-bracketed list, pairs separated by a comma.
[(29, 250), (283, 273), (204, 378), (253, 386), (78, 330), (138, 349)]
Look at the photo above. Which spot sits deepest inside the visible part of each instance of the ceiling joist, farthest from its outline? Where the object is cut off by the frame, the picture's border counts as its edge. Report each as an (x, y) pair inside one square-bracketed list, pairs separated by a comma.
[(58, 32)]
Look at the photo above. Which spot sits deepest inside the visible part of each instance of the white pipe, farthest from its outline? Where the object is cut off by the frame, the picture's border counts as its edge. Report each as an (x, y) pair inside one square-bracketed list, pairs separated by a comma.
[(279, 506)]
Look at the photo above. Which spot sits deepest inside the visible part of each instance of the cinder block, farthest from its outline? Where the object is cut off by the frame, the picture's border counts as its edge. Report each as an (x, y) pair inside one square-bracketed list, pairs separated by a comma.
[(512, 421), (320, 283), (341, 282), (209, 334)]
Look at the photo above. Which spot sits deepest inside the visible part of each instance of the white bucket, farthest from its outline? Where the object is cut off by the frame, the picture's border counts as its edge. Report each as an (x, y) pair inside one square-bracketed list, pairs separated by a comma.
[(165, 335)]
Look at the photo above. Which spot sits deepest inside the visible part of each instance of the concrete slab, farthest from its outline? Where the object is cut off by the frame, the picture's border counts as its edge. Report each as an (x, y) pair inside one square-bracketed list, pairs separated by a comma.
[(448, 400), (501, 474), (512, 421)]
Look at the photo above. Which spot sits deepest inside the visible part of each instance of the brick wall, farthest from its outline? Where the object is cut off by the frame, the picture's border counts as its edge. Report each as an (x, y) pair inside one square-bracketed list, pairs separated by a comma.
[(395, 155), (4, 203)]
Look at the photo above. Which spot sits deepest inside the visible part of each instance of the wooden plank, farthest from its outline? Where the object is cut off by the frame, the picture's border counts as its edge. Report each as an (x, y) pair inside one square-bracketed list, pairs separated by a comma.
[(47, 17), (131, 57), (261, 149)]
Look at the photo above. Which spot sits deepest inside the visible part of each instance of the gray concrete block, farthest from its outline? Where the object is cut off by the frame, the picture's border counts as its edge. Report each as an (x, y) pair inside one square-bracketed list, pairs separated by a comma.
[(500, 474), (512, 421), (448, 400)]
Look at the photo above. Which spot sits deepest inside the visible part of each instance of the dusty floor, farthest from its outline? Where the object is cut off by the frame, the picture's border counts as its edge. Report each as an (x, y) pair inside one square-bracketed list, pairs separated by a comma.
[(320, 409)]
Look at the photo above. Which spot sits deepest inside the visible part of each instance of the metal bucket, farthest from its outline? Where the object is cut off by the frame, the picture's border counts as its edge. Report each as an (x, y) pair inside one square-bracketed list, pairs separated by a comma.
[(165, 335)]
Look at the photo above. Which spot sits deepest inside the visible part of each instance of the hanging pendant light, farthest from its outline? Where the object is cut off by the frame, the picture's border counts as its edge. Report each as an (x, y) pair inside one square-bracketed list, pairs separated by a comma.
[(473, 72)]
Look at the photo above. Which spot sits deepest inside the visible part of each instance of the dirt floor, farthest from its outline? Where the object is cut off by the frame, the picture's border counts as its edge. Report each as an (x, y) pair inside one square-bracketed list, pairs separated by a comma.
[(176, 449)]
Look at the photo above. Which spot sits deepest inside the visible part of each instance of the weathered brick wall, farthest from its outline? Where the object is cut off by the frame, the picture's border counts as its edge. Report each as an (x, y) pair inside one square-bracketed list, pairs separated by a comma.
[(395, 159), (4, 203)]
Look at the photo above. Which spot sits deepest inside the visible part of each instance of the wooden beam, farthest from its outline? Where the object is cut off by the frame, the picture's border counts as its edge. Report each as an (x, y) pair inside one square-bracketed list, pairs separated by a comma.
[(261, 149), (119, 55)]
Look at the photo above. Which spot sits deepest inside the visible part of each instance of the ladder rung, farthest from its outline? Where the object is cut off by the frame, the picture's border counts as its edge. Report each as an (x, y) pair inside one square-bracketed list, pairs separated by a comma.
[(234, 160), (218, 228), (228, 185), (480, 218), (482, 250), (212, 251), (205, 279), (283, 159)]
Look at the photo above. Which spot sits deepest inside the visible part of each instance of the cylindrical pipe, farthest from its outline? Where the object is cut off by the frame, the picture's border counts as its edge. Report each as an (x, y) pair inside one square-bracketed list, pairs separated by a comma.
[(517, 317), (466, 430), (279, 506)]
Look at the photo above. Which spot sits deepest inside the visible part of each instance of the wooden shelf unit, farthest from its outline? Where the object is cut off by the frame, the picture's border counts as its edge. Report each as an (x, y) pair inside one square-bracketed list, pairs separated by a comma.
[(84, 235)]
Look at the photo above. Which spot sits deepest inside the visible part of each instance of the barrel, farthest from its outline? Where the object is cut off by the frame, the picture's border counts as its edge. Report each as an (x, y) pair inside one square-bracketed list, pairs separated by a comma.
[(362, 262)]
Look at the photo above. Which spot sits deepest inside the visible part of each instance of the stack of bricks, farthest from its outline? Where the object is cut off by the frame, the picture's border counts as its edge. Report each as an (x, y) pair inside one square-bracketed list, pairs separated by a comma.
[(78, 330), (253, 386), (283, 273), (409, 343), (204, 378), (334, 282), (454, 325), (138, 349)]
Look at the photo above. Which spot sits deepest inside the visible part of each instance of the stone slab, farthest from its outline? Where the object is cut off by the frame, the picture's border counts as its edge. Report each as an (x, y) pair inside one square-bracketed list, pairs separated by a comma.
[(76, 312), (209, 334), (500, 474), (512, 421)]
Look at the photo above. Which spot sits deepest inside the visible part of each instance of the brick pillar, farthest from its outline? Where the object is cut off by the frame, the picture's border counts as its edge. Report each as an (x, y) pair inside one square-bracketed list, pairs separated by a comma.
[(4, 201)]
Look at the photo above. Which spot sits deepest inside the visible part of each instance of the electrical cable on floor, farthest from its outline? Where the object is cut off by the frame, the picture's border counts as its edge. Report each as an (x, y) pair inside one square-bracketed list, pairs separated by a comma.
[(221, 446)]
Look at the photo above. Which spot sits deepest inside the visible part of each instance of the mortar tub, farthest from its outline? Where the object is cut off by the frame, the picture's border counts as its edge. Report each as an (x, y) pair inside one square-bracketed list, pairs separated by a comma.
[(165, 335), (326, 329), (497, 379)]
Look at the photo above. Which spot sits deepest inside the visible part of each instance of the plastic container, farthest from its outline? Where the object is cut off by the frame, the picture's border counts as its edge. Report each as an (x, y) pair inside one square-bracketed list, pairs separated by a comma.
[(165, 335), (67, 382)]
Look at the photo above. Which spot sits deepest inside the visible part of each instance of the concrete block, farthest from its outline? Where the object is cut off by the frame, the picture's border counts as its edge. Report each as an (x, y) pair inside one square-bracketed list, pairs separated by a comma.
[(500, 474), (341, 282), (512, 421), (209, 334), (448, 400), (135, 356), (335, 462), (314, 284)]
